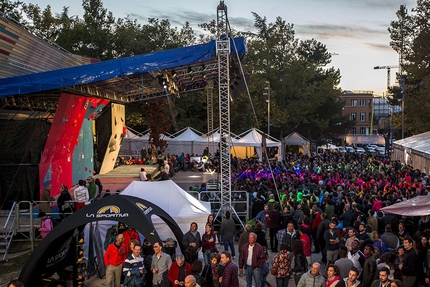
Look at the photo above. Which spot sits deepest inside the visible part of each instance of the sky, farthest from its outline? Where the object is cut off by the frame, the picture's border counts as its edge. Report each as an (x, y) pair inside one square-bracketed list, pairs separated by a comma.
[(355, 32)]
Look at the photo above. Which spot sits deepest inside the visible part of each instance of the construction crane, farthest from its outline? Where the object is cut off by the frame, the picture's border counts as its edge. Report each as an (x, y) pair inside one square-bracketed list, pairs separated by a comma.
[(388, 72)]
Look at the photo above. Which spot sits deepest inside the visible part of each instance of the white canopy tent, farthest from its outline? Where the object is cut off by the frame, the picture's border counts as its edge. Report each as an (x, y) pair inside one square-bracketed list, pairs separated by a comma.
[(250, 143), (180, 205), (296, 139), (414, 150), (183, 142)]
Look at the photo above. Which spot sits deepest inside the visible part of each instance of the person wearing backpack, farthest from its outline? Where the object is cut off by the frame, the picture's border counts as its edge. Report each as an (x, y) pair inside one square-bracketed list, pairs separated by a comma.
[(45, 224)]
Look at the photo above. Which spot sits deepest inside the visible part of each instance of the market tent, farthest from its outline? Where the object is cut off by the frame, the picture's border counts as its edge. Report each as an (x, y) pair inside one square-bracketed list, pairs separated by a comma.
[(58, 249), (416, 206), (132, 142), (183, 141), (414, 150), (250, 143), (296, 139)]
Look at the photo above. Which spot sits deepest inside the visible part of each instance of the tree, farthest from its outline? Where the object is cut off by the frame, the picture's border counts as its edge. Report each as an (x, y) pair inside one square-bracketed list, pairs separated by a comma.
[(410, 35), (304, 93)]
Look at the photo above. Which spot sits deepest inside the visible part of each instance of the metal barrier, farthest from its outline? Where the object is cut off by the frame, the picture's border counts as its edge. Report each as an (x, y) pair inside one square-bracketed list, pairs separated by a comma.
[(240, 202)]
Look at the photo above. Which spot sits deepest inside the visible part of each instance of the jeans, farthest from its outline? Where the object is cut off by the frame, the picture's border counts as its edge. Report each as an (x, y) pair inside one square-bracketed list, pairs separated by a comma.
[(264, 281), (282, 282), (250, 273), (207, 256), (228, 243)]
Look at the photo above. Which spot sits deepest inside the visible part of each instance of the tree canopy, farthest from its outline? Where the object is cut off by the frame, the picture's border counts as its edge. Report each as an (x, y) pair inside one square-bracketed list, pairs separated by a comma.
[(303, 87), (410, 35)]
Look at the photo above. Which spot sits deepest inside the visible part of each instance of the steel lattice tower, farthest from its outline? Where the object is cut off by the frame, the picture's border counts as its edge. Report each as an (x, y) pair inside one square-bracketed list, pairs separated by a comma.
[(223, 52), (210, 110)]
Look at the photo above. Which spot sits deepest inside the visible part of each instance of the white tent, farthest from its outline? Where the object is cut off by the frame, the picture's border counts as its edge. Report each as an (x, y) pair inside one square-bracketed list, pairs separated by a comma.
[(414, 150), (250, 141), (183, 141), (180, 205), (296, 139)]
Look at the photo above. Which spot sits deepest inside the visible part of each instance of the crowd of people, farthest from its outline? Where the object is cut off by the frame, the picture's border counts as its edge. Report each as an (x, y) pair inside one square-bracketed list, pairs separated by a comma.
[(328, 204)]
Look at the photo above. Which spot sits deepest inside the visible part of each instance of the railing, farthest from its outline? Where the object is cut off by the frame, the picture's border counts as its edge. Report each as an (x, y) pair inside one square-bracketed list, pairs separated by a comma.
[(239, 201), (9, 230)]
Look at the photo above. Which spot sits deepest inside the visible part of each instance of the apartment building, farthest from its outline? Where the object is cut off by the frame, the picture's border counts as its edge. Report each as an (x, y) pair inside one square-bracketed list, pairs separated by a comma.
[(358, 107)]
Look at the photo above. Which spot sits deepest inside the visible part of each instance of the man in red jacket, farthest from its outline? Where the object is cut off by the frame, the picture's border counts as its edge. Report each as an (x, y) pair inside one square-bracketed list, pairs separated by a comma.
[(178, 271), (114, 258), (252, 259)]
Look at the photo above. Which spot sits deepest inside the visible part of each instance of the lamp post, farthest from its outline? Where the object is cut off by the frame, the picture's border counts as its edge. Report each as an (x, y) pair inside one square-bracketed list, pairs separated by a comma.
[(390, 109), (268, 105)]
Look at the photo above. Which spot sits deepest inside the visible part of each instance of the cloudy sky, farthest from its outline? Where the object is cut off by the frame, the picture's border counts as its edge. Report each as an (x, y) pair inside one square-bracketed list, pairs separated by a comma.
[(355, 30)]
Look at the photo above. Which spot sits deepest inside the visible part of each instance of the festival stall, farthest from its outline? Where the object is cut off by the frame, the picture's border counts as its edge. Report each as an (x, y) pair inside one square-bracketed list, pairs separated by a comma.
[(250, 144), (183, 142), (414, 150), (295, 142)]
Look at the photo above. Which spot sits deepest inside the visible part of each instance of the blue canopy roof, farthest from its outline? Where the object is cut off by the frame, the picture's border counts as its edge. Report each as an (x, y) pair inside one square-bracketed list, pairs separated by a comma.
[(104, 73)]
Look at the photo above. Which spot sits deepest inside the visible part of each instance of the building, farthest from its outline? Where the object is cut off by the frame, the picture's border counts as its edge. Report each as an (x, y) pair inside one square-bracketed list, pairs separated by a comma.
[(358, 107)]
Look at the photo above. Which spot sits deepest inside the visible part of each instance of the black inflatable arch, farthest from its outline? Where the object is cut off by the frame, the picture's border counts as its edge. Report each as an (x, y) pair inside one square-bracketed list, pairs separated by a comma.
[(133, 211)]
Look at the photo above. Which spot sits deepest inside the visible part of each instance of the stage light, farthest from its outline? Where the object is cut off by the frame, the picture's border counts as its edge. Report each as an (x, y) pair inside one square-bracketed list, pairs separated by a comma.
[(174, 73), (190, 70)]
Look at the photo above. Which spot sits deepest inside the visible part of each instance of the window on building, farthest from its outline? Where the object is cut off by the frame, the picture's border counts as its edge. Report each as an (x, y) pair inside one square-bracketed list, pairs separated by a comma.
[(354, 103), (354, 131), (353, 116), (363, 102), (363, 131), (362, 117)]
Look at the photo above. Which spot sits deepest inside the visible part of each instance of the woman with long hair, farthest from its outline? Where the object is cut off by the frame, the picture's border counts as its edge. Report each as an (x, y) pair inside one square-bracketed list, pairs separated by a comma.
[(332, 276), (300, 262), (208, 243), (196, 269)]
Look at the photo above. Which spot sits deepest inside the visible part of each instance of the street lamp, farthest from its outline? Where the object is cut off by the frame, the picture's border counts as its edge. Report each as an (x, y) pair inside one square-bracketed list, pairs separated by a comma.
[(268, 105)]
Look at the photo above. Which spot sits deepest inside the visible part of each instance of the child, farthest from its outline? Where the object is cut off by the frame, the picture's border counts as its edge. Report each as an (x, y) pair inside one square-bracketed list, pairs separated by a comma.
[(265, 271)]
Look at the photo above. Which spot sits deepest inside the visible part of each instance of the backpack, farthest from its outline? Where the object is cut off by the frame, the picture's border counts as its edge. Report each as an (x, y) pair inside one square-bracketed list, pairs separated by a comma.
[(265, 269), (382, 247)]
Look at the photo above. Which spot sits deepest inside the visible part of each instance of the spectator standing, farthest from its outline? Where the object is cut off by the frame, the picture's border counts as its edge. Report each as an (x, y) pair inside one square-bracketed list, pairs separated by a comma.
[(196, 270), (81, 195), (312, 278), (333, 277), (261, 236), (275, 224), (351, 280), (304, 237), (44, 205), (64, 202), (383, 278), (369, 267), (160, 265), (178, 271), (229, 276), (45, 224), (324, 225), (243, 239), (390, 239), (192, 242), (282, 261), (114, 258), (134, 269), (290, 236), (332, 240), (263, 218), (252, 260), (409, 266), (212, 272), (208, 244), (227, 232), (343, 264), (300, 262), (92, 188)]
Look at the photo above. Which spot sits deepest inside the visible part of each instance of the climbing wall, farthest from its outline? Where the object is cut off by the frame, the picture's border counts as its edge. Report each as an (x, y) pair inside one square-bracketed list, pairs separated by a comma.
[(57, 164), (118, 129)]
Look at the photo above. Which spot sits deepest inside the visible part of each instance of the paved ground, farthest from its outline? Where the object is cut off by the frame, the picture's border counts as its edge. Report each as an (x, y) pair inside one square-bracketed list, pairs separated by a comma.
[(20, 252)]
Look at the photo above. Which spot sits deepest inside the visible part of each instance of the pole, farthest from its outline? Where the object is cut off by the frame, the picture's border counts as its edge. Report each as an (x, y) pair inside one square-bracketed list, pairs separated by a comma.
[(268, 107)]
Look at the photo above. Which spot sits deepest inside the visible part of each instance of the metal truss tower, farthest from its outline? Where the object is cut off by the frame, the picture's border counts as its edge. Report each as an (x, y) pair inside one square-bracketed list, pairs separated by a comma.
[(223, 52), (210, 112)]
